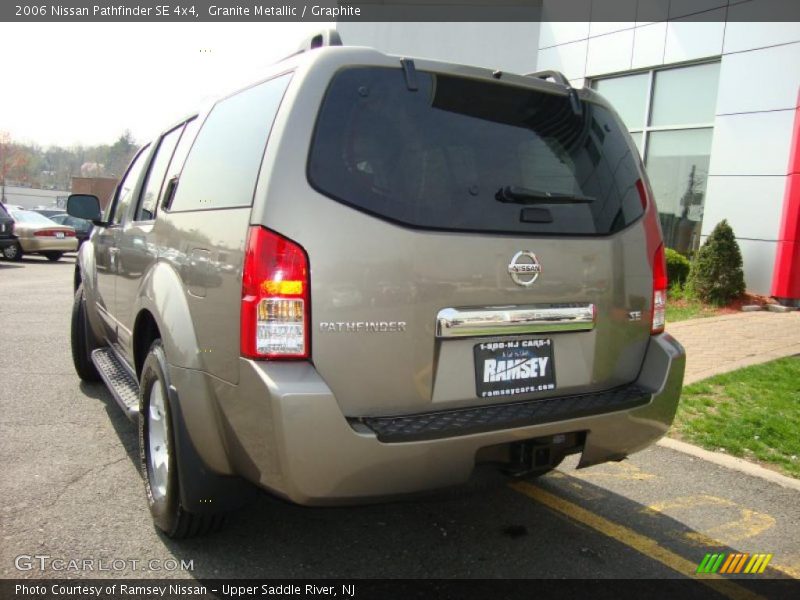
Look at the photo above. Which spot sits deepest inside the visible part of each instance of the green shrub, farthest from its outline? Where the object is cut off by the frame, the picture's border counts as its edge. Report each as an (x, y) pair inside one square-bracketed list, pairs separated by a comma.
[(716, 273), (677, 267)]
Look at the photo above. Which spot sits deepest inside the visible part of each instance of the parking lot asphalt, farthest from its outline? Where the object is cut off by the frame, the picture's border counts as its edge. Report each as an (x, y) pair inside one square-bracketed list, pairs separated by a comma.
[(72, 490)]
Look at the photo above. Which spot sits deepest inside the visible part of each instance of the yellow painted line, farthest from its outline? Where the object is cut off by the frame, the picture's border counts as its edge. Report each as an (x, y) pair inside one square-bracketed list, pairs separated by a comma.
[(623, 470), (684, 502), (750, 525), (641, 543)]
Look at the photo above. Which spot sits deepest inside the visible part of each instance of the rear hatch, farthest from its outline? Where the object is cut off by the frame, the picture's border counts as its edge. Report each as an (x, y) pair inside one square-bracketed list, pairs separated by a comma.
[(445, 210)]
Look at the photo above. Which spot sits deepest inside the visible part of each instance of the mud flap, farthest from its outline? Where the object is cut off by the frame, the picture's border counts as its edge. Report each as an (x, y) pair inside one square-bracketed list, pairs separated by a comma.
[(203, 491)]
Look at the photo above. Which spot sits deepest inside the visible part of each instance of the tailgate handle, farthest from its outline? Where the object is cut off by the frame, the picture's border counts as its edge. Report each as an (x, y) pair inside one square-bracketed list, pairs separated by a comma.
[(513, 320)]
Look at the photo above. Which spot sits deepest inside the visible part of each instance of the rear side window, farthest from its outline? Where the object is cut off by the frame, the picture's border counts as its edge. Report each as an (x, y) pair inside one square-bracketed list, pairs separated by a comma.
[(3, 212), (146, 211), (223, 164), (468, 155)]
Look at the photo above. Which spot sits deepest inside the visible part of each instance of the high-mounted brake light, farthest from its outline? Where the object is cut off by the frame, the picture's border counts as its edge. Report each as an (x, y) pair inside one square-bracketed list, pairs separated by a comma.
[(655, 249), (275, 297)]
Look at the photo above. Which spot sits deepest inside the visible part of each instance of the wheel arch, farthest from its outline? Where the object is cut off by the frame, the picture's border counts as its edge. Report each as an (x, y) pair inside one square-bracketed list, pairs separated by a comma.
[(162, 312)]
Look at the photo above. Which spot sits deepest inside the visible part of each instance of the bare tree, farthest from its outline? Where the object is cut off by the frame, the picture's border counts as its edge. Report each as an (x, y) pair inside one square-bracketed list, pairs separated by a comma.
[(13, 161)]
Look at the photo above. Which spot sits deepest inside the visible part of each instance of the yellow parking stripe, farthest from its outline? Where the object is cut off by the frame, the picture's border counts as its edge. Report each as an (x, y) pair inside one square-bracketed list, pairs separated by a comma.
[(641, 543)]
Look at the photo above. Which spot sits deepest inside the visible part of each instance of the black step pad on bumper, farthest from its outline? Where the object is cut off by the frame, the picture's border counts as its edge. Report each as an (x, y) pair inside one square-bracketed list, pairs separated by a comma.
[(119, 380), (464, 421)]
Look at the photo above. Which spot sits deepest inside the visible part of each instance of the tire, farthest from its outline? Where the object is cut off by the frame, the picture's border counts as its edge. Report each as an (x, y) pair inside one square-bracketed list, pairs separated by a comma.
[(82, 340), (13, 252), (53, 256), (159, 459)]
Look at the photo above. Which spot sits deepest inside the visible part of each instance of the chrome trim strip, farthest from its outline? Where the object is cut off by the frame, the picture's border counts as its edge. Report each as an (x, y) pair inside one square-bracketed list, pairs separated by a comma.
[(508, 320)]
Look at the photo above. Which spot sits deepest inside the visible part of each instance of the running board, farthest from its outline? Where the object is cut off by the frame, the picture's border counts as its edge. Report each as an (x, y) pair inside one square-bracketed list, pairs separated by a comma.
[(119, 380)]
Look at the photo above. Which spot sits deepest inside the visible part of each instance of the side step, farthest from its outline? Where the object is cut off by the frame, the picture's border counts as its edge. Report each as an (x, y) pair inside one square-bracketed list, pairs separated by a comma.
[(119, 380)]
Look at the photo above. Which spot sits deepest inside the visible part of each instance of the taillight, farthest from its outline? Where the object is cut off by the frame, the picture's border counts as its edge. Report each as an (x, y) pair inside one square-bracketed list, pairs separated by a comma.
[(655, 249), (275, 297), (53, 233), (659, 291)]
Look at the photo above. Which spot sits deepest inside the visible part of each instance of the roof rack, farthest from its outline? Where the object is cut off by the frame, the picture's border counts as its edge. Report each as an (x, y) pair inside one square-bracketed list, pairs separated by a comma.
[(556, 76), (327, 37)]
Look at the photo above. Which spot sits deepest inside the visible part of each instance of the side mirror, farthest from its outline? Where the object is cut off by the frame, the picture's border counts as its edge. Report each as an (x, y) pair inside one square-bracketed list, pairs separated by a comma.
[(84, 206)]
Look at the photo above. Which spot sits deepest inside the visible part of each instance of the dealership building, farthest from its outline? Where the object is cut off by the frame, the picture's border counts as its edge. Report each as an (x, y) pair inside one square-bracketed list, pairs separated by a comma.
[(711, 100)]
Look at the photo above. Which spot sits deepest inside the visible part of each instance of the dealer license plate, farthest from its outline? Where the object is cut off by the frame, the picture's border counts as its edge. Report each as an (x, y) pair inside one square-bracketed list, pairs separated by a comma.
[(514, 368), (60, 235)]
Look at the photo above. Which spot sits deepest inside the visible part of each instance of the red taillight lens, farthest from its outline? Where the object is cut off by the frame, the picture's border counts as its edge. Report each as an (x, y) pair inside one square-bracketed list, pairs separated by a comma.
[(53, 233), (275, 297), (655, 248), (659, 291)]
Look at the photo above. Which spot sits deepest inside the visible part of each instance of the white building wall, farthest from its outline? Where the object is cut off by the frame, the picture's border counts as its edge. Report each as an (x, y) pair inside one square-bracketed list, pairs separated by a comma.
[(509, 47), (756, 101)]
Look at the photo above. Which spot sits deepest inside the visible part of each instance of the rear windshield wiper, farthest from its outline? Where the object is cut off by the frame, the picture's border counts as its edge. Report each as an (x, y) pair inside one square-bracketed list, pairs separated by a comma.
[(519, 195)]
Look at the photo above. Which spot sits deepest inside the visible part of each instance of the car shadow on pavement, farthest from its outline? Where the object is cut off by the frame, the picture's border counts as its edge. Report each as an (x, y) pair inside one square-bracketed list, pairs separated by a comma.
[(492, 527), (484, 529), (125, 428)]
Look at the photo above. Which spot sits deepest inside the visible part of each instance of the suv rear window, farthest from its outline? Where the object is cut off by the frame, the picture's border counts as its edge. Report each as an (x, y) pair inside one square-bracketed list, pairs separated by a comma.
[(461, 154)]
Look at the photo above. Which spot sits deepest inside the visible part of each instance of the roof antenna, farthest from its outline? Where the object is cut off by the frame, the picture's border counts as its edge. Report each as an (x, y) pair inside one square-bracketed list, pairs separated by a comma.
[(327, 37)]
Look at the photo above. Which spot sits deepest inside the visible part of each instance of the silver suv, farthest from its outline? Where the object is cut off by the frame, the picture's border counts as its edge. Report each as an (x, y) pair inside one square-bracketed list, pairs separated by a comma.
[(364, 275)]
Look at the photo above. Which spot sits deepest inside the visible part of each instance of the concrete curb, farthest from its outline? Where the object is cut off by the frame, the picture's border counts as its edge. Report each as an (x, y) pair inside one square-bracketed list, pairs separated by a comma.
[(731, 462)]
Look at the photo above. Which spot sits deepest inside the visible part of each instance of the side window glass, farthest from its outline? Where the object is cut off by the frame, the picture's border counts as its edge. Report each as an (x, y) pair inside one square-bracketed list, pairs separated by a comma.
[(179, 156), (222, 167), (127, 185), (148, 201)]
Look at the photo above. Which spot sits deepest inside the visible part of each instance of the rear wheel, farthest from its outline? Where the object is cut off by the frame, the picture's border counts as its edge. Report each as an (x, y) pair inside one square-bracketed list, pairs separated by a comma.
[(13, 252), (53, 256), (82, 340), (160, 464)]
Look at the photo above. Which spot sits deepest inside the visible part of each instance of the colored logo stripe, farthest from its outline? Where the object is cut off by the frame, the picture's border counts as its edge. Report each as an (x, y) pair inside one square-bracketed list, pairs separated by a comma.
[(734, 563)]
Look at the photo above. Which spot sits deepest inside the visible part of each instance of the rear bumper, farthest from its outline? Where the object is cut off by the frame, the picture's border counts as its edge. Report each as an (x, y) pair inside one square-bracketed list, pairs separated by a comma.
[(43, 244), (283, 430)]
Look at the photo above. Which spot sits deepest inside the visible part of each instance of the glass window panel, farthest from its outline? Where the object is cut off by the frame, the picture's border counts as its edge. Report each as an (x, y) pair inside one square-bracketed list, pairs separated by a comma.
[(127, 185), (222, 167), (628, 95), (146, 211), (685, 96), (677, 164)]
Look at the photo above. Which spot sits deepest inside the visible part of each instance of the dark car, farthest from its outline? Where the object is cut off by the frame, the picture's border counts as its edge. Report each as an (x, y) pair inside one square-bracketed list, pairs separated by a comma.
[(7, 237), (82, 227)]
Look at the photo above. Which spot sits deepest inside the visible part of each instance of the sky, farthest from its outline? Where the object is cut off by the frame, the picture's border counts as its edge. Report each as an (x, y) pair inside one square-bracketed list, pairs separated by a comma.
[(86, 83)]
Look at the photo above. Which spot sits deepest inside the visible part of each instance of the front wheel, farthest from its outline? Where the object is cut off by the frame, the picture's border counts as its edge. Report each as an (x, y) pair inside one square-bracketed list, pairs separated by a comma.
[(13, 252), (157, 451), (53, 256)]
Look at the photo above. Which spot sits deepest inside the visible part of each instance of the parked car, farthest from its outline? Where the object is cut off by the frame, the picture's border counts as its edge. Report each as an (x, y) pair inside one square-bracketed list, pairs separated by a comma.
[(364, 275), (36, 234), (7, 237), (82, 227)]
